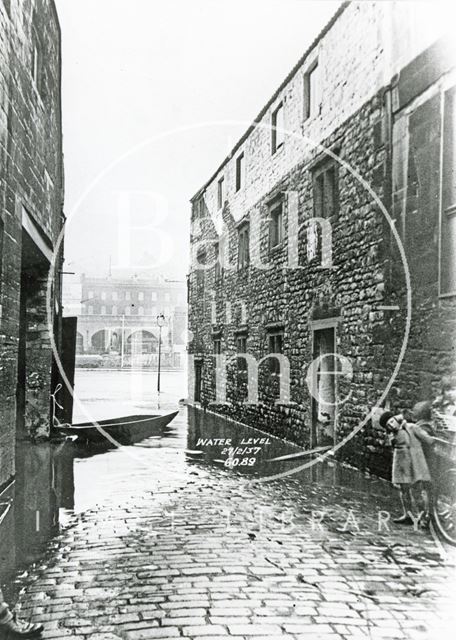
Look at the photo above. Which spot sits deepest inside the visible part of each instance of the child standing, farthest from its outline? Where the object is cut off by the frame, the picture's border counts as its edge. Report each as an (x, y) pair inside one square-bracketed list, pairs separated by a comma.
[(422, 416), (409, 462)]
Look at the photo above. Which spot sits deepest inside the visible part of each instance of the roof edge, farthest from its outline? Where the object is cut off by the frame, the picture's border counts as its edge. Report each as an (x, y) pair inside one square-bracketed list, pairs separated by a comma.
[(283, 84)]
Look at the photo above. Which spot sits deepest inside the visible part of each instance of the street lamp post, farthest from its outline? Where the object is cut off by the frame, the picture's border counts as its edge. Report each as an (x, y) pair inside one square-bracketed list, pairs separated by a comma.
[(160, 322), (122, 348)]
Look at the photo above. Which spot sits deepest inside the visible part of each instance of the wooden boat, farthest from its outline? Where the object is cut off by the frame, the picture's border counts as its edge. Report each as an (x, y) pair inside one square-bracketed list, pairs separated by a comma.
[(125, 430)]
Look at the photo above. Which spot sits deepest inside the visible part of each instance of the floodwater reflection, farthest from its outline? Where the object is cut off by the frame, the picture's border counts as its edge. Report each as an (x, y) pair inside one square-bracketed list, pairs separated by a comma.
[(219, 441), (43, 487), (56, 481)]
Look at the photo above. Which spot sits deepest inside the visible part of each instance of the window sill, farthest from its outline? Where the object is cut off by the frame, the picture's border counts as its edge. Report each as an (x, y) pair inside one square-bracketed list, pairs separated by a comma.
[(278, 150), (310, 119), (276, 248)]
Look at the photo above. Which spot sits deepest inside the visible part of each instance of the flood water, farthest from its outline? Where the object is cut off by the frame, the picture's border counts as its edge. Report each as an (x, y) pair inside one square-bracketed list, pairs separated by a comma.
[(58, 482)]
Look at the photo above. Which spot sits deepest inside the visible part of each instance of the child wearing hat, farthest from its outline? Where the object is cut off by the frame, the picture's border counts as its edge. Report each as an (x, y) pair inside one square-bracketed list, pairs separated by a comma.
[(409, 461)]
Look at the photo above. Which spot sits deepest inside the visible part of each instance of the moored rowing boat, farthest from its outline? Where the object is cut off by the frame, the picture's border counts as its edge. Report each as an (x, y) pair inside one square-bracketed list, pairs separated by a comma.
[(124, 430)]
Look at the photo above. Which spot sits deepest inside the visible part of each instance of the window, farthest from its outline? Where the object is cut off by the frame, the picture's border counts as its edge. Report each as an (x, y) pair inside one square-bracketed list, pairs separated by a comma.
[(103, 310), (241, 347), (312, 94), (276, 224), (114, 295), (127, 295), (140, 311), (114, 311), (153, 311), (201, 259), (221, 193), (325, 191), (325, 205), (448, 224), (154, 295), (90, 294), (90, 310), (127, 311), (141, 295), (217, 345), (103, 295), (275, 345), (218, 266), (240, 171), (243, 251), (277, 132)]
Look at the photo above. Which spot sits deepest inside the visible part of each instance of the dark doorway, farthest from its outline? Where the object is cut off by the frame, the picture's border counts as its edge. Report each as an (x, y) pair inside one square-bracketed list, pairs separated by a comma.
[(63, 407), (324, 402), (198, 380), (34, 350)]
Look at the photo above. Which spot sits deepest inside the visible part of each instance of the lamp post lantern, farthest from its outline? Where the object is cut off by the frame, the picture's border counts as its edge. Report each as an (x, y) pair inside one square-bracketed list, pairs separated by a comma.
[(160, 323)]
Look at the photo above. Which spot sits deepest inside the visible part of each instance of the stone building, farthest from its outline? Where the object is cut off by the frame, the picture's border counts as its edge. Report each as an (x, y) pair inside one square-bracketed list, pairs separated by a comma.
[(31, 218), (115, 309), (328, 238)]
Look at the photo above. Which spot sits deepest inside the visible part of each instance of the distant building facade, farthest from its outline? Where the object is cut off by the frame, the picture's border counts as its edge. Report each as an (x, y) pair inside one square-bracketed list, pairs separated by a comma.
[(112, 311), (31, 218), (327, 253)]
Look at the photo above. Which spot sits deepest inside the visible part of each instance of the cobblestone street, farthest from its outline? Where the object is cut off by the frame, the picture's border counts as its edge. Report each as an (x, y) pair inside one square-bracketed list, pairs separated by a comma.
[(162, 546), (227, 320)]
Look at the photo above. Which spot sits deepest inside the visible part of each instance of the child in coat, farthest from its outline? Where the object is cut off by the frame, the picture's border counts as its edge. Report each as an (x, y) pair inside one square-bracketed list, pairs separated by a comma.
[(409, 461)]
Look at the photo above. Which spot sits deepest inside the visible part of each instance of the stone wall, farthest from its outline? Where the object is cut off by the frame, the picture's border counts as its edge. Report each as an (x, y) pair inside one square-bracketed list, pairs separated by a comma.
[(363, 294), (31, 181), (359, 52)]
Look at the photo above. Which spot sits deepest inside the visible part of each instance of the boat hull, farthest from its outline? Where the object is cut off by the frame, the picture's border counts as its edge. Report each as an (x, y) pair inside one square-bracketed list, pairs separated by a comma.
[(126, 430)]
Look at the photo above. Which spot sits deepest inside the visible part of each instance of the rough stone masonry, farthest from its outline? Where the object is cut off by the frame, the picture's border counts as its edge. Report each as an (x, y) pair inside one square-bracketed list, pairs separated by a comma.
[(31, 216), (368, 152)]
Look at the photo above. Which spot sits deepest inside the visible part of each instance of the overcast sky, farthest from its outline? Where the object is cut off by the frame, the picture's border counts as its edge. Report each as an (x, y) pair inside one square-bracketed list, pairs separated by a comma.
[(141, 81)]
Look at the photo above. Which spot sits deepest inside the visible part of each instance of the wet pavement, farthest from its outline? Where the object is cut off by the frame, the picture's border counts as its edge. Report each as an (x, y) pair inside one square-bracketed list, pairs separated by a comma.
[(170, 538)]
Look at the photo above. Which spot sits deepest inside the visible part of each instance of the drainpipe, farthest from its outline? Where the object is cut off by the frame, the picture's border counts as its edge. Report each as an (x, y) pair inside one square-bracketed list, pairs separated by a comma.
[(388, 184)]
